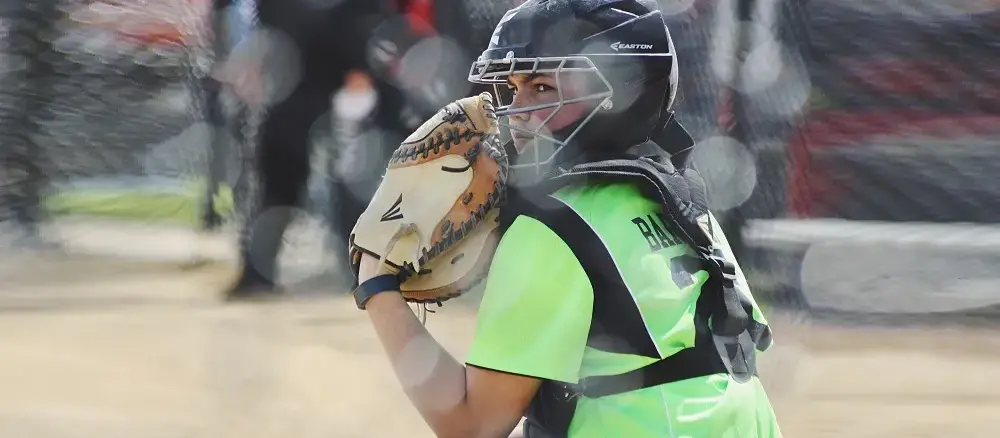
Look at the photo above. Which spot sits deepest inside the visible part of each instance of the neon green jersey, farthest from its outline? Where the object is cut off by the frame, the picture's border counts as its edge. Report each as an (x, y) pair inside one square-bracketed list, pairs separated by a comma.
[(536, 315)]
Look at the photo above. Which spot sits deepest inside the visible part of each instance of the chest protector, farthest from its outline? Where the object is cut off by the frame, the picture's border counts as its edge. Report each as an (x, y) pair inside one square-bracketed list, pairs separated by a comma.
[(727, 336)]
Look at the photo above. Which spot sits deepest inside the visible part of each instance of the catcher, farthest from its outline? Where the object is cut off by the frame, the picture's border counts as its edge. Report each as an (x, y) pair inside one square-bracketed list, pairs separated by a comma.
[(613, 304)]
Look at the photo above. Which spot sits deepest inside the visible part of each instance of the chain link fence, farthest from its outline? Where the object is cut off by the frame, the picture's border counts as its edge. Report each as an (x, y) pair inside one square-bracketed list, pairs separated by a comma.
[(98, 97), (850, 147), (873, 128)]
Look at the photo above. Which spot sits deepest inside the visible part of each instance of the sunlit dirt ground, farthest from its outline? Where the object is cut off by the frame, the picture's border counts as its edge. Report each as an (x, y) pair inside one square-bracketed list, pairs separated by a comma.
[(91, 347)]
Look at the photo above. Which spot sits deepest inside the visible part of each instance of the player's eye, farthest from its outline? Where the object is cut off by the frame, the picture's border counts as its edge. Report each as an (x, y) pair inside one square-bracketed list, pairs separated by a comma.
[(512, 88), (542, 88)]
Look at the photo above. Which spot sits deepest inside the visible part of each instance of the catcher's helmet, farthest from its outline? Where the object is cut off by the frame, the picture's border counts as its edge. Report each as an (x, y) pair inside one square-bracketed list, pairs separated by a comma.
[(625, 44)]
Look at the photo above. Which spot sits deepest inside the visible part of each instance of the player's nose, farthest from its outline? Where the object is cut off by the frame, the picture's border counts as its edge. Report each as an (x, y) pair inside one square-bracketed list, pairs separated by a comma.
[(519, 118), (519, 102)]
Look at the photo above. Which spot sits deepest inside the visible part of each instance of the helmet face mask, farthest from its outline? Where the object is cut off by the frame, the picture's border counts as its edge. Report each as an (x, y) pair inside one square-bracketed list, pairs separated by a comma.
[(623, 45), (499, 72)]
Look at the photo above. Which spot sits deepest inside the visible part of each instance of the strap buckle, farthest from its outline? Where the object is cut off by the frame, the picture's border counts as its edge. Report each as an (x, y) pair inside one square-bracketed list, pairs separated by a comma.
[(723, 266), (738, 355)]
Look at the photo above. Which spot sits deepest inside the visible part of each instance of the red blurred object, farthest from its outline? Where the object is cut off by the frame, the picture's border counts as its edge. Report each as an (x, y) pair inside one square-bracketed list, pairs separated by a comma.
[(917, 78), (164, 22), (420, 15), (810, 187), (902, 124)]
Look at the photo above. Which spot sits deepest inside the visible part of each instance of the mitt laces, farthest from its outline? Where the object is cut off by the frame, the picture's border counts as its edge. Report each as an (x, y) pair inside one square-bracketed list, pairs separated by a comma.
[(422, 311), (446, 139), (383, 259), (403, 231)]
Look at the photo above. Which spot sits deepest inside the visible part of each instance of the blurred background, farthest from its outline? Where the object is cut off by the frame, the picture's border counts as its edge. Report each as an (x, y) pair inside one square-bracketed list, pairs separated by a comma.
[(851, 148)]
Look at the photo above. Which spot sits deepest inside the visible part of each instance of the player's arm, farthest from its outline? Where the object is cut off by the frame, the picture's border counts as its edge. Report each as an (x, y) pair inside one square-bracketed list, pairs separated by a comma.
[(532, 325), (454, 400)]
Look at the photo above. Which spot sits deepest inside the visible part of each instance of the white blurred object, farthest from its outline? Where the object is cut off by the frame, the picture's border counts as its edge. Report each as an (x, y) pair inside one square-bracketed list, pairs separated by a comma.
[(354, 105), (350, 108), (867, 266), (763, 60), (671, 8), (729, 170), (428, 74), (246, 71), (141, 241)]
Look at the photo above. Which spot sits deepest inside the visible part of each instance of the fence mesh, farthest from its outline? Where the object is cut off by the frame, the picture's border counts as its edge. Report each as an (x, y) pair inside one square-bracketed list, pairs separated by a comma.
[(877, 148), (809, 115), (93, 105)]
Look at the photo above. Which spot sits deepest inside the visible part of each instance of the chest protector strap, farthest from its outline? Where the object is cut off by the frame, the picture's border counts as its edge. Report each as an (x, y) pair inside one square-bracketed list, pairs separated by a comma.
[(727, 335)]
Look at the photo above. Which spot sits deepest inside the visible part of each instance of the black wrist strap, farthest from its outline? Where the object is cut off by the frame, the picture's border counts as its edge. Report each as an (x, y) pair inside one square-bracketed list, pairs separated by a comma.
[(373, 286)]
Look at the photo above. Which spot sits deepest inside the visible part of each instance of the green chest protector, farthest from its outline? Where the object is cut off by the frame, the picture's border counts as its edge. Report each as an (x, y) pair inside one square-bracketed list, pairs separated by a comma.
[(727, 335)]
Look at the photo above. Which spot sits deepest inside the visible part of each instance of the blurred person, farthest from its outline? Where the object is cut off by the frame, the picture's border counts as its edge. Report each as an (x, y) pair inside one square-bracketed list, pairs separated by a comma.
[(604, 314), (306, 58), (27, 89), (231, 22), (423, 48)]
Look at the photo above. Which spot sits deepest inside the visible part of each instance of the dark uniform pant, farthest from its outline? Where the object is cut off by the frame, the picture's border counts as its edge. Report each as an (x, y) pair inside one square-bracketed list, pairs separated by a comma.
[(286, 136)]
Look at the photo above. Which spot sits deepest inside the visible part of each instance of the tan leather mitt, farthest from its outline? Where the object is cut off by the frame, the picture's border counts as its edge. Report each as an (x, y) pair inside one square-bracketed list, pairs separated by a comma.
[(434, 218)]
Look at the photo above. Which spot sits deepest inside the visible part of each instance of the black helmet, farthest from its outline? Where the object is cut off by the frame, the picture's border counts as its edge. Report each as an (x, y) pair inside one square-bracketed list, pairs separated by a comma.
[(625, 44)]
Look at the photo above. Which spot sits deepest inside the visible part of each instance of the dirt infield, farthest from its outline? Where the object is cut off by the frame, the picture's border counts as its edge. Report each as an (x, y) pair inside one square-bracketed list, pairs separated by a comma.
[(97, 348)]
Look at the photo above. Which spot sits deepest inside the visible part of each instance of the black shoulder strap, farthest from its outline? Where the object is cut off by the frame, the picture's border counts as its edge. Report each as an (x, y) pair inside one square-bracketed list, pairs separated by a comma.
[(616, 324), (682, 197), (660, 180)]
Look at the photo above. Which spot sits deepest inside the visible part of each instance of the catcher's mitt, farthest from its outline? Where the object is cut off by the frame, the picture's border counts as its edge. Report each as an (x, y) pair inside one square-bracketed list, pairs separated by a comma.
[(433, 220)]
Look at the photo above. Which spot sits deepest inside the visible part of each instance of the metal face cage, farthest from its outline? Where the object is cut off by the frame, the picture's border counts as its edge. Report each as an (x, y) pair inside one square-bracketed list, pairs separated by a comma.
[(496, 73)]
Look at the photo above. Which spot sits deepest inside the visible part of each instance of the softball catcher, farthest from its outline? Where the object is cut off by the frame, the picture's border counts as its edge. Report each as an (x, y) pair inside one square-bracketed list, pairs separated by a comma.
[(613, 305)]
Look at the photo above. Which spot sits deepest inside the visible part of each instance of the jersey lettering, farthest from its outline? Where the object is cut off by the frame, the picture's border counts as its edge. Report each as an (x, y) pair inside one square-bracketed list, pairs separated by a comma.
[(647, 233), (665, 240), (652, 229)]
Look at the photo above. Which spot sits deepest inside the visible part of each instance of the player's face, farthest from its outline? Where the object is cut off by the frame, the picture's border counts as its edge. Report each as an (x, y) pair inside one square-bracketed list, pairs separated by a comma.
[(540, 89)]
